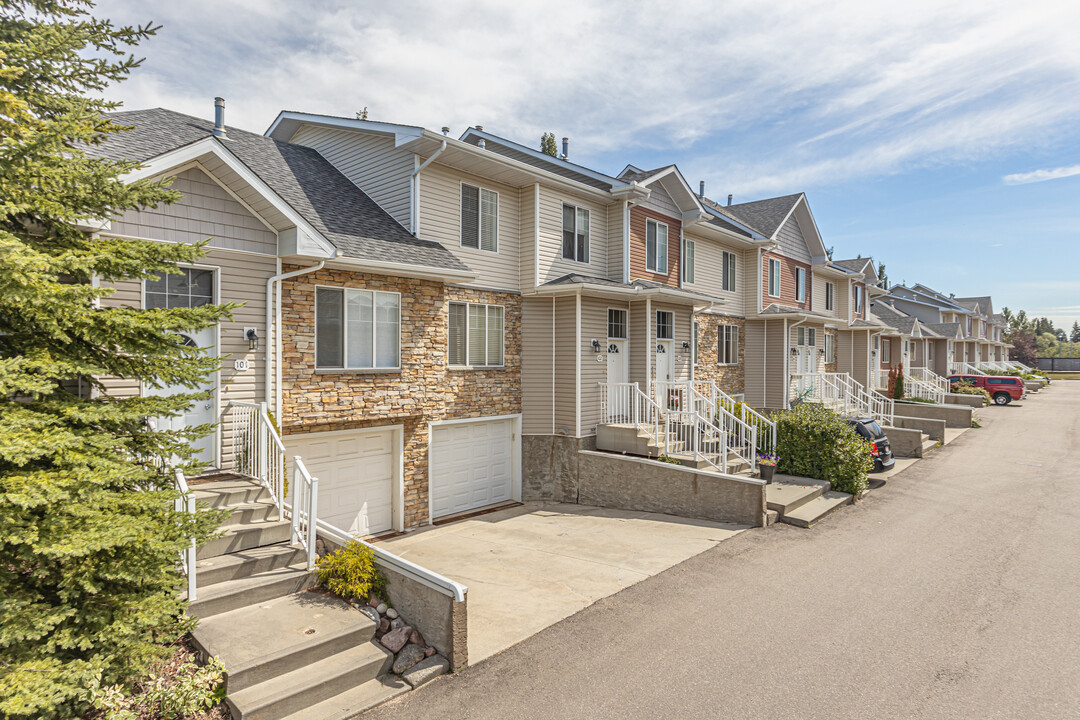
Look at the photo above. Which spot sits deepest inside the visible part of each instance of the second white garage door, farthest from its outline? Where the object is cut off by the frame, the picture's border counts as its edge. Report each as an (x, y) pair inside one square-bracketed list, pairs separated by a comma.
[(356, 472), (471, 465)]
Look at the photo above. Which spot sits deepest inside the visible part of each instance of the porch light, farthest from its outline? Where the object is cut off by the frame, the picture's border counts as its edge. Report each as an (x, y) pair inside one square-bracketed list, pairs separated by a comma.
[(686, 345), (595, 345), (794, 351), (252, 336)]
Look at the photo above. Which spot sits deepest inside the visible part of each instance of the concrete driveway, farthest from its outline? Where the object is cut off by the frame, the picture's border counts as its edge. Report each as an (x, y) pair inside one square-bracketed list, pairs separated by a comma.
[(530, 566)]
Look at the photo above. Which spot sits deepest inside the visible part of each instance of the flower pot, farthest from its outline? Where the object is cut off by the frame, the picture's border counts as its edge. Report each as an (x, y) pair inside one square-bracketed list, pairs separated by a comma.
[(766, 472)]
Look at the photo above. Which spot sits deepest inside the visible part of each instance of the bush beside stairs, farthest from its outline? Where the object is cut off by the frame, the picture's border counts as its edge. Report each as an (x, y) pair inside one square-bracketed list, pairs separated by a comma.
[(289, 654)]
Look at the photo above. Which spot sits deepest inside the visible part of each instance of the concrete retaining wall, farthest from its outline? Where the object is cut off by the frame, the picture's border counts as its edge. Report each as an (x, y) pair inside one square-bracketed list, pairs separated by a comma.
[(972, 401), (955, 416), (1033, 385), (934, 428), (440, 618), (904, 442)]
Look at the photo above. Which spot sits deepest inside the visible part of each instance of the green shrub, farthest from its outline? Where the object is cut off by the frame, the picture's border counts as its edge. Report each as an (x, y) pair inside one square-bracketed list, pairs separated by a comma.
[(351, 572), (815, 442), (669, 460), (965, 388), (919, 400)]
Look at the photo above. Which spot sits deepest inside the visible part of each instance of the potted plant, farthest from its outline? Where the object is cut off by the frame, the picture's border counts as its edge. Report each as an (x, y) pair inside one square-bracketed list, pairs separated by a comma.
[(767, 466)]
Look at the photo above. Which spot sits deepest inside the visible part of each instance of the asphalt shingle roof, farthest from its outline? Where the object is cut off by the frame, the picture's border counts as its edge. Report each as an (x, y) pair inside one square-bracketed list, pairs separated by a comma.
[(765, 216), (944, 329), (299, 175), (854, 265)]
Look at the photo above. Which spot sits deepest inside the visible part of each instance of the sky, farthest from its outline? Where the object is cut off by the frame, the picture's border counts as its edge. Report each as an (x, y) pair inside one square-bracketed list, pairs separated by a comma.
[(942, 139)]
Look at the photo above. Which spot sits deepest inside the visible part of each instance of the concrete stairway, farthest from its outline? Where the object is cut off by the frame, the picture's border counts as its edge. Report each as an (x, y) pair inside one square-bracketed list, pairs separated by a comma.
[(633, 440), (288, 654), (801, 501)]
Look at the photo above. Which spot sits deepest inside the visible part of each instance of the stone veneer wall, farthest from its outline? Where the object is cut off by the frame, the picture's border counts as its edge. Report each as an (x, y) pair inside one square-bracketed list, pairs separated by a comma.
[(422, 391), (728, 378)]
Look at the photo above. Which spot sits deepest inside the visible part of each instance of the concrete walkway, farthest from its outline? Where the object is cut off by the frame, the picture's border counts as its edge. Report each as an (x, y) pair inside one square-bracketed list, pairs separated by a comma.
[(529, 567), (951, 592)]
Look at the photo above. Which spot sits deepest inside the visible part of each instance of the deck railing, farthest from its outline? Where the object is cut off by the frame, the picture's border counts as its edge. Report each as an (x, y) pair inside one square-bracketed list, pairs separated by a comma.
[(186, 503), (627, 404)]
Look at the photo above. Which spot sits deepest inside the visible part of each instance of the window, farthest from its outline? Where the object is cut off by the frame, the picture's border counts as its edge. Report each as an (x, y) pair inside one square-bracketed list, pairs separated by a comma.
[(688, 262), (886, 351), (830, 348), (800, 284), (575, 233), (191, 289), (774, 278), (693, 343), (665, 326), (930, 351), (656, 246), (811, 337), (357, 329), (479, 218), (828, 296), (729, 272), (616, 324), (800, 336), (856, 294), (727, 352), (476, 335)]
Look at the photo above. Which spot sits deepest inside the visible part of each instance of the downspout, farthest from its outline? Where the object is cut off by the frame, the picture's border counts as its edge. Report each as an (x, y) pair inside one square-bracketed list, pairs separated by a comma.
[(414, 189), (577, 367), (650, 349), (273, 340)]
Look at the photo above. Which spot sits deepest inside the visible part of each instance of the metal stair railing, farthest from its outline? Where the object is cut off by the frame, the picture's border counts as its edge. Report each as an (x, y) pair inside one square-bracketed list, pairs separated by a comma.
[(764, 429), (627, 404), (186, 503)]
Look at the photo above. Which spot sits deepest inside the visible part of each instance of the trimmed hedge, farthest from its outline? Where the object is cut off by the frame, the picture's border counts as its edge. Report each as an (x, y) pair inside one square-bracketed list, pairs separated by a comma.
[(815, 442)]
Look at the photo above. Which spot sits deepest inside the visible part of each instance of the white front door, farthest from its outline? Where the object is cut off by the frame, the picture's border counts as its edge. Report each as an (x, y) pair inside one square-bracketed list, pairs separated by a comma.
[(618, 400), (665, 370), (471, 465), (203, 411)]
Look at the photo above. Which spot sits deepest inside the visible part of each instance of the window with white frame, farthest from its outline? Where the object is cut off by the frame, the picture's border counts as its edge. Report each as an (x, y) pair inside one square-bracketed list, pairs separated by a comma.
[(479, 218), (357, 329), (829, 296), (774, 277), (575, 231), (689, 257), (886, 351), (729, 272), (929, 351), (800, 284), (800, 336), (830, 348), (476, 335), (694, 342), (856, 296), (811, 337), (192, 288), (656, 244), (665, 325), (727, 351), (616, 324)]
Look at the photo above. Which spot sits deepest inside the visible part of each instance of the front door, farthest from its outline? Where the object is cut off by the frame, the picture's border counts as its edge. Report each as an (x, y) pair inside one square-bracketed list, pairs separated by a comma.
[(665, 370), (618, 400), (202, 412)]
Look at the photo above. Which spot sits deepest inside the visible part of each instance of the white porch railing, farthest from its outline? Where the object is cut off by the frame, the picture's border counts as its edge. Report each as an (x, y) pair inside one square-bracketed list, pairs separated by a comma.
[(709, 401), (627, 404), (740, 421), (842, 393), (686, 432), (927, 375), (304, 507), (258, 452), (964, 368), (186, 503)]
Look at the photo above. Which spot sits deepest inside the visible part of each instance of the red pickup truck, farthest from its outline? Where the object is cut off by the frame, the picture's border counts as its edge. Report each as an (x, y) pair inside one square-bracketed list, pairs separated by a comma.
[(1003, 389)]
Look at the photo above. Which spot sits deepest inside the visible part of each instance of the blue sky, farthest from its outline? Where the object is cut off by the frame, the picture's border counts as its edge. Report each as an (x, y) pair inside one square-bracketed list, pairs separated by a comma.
[(943, 141)]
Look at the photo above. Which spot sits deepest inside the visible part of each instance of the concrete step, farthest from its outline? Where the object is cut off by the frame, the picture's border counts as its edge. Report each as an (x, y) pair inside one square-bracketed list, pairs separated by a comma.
[(265, 641), (242, 592), (786, 494), (928, 446), (817, 509), (245, 563), (245, 536), (231, 490), (249, 512), (352, 702), (312, 684)]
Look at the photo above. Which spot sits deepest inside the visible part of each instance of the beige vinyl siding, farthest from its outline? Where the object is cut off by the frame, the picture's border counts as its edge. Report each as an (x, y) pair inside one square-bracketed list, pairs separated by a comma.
[(775, 359), (206, 210), (640, 331), (370, 161), (844, 349), (616, 213), (817, 295), (537, 366), (440, 220), (765, 357), (593, 325), (843, 299), (754, 349), (792, 242), (565, 353), (750, 275), (552, 263), (709, 274), (527, 231)]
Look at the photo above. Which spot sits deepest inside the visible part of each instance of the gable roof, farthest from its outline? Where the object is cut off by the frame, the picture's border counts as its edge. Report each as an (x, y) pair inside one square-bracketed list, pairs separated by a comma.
[(982, 304), (302, 178), (527, 155), (766, 216), (946, 330)]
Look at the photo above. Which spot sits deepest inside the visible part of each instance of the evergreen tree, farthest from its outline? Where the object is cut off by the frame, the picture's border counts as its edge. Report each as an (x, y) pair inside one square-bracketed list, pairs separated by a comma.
[(89, 540), (883, 281), (1075, 336), (548, 146)]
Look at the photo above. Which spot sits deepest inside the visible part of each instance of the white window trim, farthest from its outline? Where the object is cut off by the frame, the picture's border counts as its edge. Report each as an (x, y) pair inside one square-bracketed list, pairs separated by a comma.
[(830, 348), (773, 262), (830, 296), (480, 218), (667, 241), (189, 266), (344, 329), (626, 324), (734, 271), (689, 261), (800, 284), (588, 242), (656, 324), (722, 341), (811, 337), (467, 365)]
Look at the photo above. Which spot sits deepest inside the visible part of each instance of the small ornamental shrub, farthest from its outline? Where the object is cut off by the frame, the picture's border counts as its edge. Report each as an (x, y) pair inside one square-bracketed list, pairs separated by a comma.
[(898, 387), (351, 572), (669, 460), (815, 442), (966, 388)]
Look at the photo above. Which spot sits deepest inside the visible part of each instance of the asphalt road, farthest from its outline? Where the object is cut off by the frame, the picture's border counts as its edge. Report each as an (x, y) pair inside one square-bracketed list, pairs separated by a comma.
[(952, 592)]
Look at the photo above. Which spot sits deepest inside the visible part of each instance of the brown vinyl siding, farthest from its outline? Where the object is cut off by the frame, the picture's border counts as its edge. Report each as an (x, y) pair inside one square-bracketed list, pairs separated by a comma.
[(638, 271), (787, 282)]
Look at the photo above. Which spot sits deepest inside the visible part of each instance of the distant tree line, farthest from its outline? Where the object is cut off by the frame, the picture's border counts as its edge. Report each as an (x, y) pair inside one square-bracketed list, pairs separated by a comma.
[(1033, 338)]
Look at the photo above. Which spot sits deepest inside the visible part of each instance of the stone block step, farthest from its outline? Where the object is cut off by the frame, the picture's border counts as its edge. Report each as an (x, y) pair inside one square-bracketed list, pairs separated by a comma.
[(233, 594), (312, 684), (245, 563), (352, 702), (787, 493), (817, 509), (230, 491), (246, 536), (264, 641)]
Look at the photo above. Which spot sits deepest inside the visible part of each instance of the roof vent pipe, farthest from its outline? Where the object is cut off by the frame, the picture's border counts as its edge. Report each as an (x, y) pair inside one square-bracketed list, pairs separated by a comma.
[(701, 190), (729, 199), (446, 130), (481, 144), (566, 148), (219, 117)]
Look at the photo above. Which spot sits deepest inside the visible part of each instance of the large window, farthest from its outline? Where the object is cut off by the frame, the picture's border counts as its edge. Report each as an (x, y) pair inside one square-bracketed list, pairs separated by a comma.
[(575, 233), (688, 262), (479, 218), (830, 348), (727, 351), (828, 296), (665, 326), (656, 240), (774, 278), (800, 284), (729, 272), (192, 288), (357, 329), (476, 335), (616, 324)]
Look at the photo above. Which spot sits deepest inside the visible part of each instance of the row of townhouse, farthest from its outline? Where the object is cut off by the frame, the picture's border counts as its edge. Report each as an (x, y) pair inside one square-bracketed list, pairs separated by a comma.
[(436, 322)]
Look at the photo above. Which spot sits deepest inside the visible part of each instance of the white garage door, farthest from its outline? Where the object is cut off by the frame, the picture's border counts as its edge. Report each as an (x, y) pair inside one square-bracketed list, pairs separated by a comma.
[(471, 465), (356, 476)]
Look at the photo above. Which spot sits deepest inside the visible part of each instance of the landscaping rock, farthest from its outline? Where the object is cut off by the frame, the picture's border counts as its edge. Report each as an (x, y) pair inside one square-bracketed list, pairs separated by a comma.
[(396, 623), (370, 612), (428, 652), (396, 639), (374, 601), (391, 613), (426, 671), (409, 656), (417, 639), (384, 624), (381, 608)]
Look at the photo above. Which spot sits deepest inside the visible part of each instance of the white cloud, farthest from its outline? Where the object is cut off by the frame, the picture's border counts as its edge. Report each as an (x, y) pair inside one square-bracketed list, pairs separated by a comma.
[(1041, 175)]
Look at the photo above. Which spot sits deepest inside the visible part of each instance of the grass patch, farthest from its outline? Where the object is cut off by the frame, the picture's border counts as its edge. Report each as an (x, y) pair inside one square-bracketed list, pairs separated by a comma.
[(1061, 375)]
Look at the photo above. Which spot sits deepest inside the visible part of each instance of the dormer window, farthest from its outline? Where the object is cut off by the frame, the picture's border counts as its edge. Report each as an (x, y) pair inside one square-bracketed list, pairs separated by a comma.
[(656, 246)]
